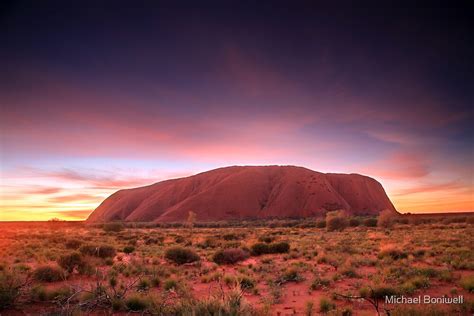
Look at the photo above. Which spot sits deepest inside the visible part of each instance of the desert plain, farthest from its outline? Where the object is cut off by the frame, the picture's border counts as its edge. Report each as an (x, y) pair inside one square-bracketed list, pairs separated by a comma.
[(336, 265)]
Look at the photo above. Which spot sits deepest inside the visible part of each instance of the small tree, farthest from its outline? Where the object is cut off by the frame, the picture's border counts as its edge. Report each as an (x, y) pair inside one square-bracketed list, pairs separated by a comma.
[(190, 221), (336, 220), (386, 219)]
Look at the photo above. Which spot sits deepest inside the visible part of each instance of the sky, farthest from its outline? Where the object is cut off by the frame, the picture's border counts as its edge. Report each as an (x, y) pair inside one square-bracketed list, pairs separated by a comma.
[(100, 97)]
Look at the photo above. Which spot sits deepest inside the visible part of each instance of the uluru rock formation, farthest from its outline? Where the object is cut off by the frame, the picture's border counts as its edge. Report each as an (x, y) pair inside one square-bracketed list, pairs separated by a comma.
[(250, 192)]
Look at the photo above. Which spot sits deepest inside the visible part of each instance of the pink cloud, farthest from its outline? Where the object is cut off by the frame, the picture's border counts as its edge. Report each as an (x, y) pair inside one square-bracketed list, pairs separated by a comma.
[(453, 186), (74, 198), (400, 165)]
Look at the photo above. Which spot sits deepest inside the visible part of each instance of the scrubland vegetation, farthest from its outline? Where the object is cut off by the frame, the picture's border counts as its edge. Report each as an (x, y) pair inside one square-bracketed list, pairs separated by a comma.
[(332, 266)]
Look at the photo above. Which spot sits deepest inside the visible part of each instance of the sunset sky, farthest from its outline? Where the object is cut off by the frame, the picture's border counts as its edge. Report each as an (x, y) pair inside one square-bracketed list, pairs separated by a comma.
[(94, 99)]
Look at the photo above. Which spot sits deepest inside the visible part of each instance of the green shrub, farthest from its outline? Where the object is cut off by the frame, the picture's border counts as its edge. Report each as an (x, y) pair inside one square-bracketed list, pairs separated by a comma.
[(230, 256), (386, 219), (354, 222), (113, 227), (180, 255), (73, 244), (118, 304), (231, 236), (136, 303), (179, 239), (336, 221), (370, 222), (321, 223), (209, 242), (290, 275), (467, 283), (350, 273), (128, 249), (170, 284), (71, 261), (155, 282), (58, 294), (246, 283), (326, 305), (48, 274), (319, 283), (266, 239), (102, 251), (39, 293), (10, 286), (377, 293), (143, 285), (279, 247), (260, 249), (393, 253), (264, 248)]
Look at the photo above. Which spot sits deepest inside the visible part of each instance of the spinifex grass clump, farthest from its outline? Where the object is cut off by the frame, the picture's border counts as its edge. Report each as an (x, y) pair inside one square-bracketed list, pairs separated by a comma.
[(10, 289), (101, 251), (230, 256), (268, 248), (393, 253), (113, 227), (181, 255), (71, 261), (336, 221), (48, 274)]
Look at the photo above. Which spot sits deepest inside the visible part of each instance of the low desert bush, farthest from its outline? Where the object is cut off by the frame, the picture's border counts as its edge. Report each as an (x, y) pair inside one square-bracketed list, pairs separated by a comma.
[(170, 284), (264, 248), (10, 286), (319, 283), (321, 223), (128, 249), (386, 219), (232, 236), (378, 292), (246, 282), (336, 221), (102, 251), (181, 255), (48, 274), (40, 293), (209, 242), (354, 222), (137, 303), (179, 239), (350, 272), (73, 244), (467, 283), (230, 256), (370, 222), (153, 241), (71, 261), (266, 239), (113, 227), (290, 275), (260, 249), (393, 253), (232, 303), (326, 305), (143, 285), (279, 247)]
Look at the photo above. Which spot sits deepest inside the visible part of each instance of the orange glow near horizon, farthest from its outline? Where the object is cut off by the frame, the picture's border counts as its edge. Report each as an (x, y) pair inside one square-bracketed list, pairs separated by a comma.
[(79, 197)]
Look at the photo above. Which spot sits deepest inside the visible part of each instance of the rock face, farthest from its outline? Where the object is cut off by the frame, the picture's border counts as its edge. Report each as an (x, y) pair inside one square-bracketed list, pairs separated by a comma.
[(236, 193)]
